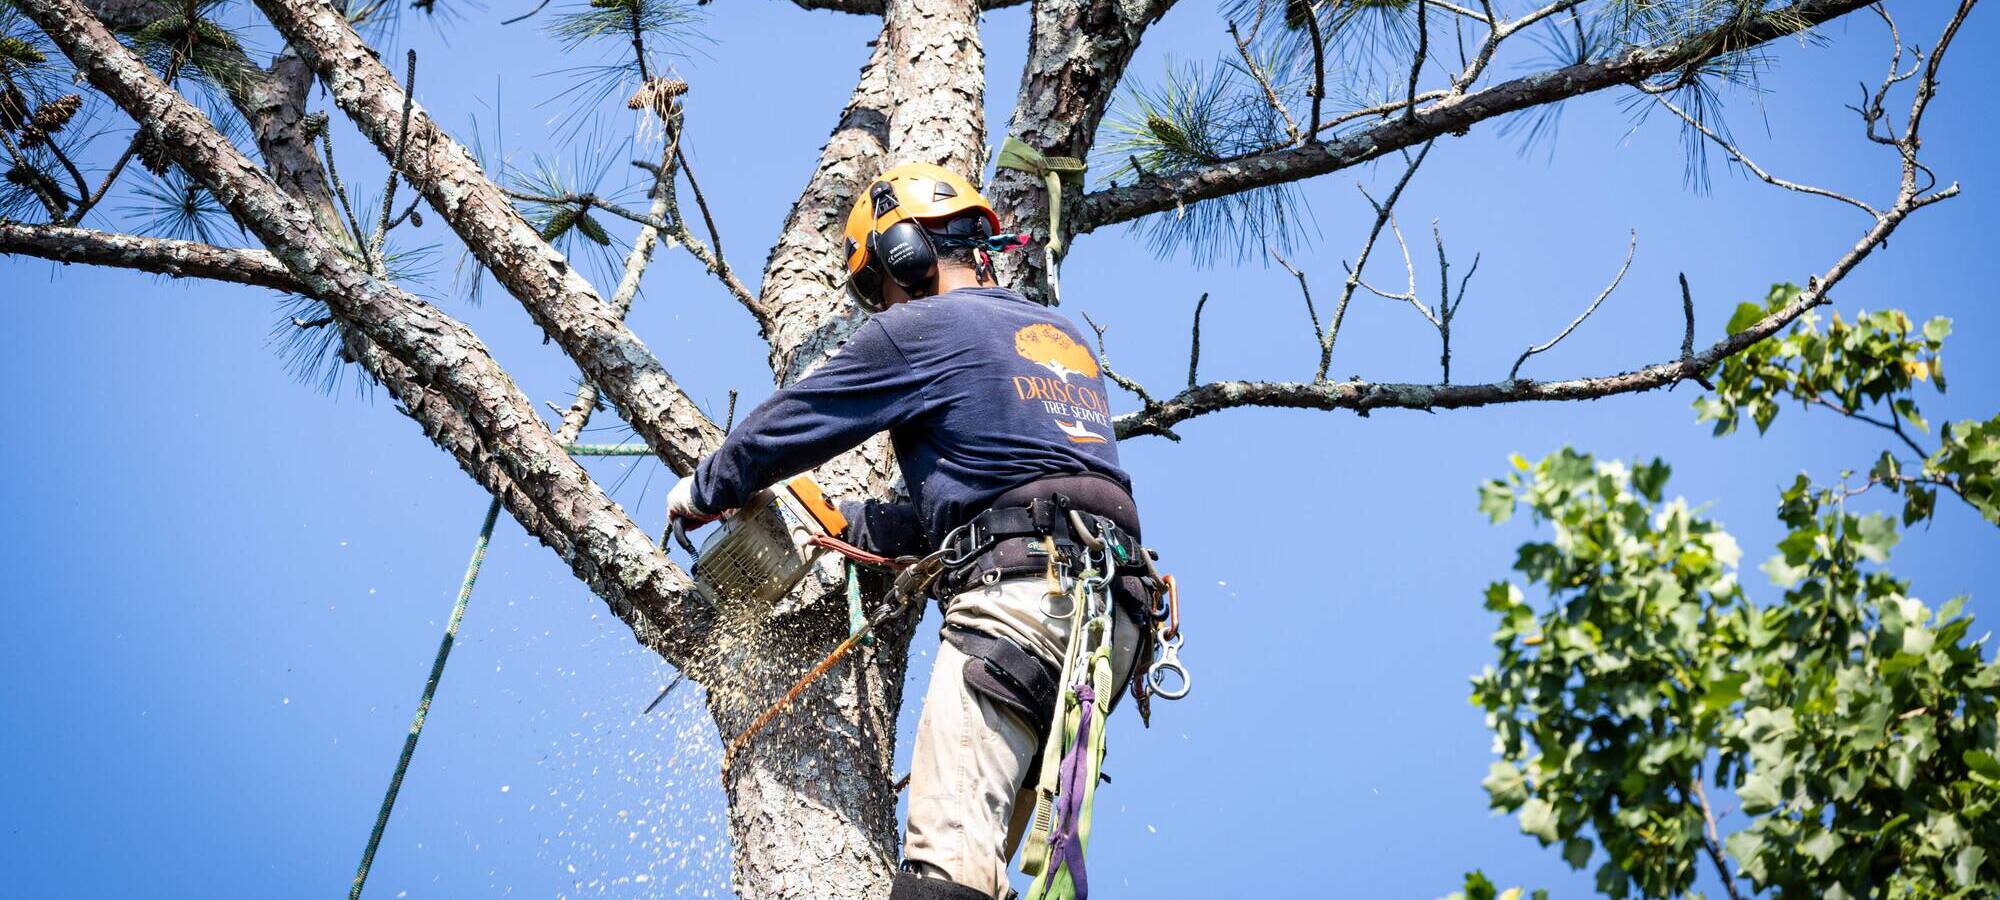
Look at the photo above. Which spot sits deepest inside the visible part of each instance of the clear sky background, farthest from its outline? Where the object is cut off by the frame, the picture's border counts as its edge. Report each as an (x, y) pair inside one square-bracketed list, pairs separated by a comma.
[(225, 587)]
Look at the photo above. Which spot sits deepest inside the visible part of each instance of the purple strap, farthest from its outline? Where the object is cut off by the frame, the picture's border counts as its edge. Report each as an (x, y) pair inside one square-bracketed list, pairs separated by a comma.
[(1067, 845)]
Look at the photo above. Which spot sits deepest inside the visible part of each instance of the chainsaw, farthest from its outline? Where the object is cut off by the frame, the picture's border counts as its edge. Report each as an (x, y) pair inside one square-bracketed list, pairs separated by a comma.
[(761, 550)]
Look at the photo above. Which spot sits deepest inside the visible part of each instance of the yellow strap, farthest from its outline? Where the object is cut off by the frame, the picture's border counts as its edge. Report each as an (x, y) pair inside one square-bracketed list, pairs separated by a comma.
[(1052, 170)]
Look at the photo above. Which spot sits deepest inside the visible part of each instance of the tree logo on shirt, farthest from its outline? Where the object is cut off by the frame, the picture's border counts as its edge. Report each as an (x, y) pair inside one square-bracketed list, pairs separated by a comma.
[(1047, 346), (1072, 405)]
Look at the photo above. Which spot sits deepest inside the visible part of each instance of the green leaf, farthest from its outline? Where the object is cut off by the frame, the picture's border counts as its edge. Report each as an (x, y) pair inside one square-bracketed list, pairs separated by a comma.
[(1505, 786), (1478, 886), (1965, 866), (1538, 818), (1496, 500), (1984, 765), (1576, 852), (1651, 478), (1874, 535), (1723, 692), (1782, 573), (1746, 315), (1761, 793)]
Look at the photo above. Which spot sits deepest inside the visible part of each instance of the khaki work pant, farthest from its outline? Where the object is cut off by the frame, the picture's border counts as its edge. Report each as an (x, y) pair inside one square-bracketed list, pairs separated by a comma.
[(968, 804)]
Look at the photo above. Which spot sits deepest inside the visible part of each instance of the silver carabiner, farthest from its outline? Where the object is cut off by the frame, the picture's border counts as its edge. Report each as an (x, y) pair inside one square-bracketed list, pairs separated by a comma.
[(1167, 664)]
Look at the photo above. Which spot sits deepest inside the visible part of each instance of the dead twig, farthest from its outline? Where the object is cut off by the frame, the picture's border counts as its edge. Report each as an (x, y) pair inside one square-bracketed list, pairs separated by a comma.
[(1630, 249)]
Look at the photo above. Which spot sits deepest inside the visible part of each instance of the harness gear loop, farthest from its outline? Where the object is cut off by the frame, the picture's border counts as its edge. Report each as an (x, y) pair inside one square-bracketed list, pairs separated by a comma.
[(1073, 757), (1016, 155)]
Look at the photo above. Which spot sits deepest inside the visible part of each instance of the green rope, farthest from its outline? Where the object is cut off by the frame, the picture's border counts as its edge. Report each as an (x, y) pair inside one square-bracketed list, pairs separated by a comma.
[(424, 704), (608, 449)]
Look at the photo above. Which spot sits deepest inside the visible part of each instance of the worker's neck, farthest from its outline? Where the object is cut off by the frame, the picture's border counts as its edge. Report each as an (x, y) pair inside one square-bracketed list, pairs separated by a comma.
[(951, 278)]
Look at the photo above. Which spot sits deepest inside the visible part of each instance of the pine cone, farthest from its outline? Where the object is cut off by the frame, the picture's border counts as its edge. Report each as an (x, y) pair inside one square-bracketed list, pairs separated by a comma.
[(659, 95), (153, 155), (49, 119)]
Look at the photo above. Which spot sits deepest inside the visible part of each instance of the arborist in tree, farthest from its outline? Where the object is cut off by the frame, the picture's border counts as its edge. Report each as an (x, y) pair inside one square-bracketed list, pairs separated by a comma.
[(1000, 423)]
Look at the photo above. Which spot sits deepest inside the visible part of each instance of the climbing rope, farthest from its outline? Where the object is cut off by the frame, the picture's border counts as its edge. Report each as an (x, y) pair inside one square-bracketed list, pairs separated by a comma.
[(424, 703)]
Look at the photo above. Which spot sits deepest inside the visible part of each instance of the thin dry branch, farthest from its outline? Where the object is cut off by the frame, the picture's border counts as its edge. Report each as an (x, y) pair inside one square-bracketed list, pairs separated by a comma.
[(1264, 82), (1757, 170), (1533, 349), (1383, 213)]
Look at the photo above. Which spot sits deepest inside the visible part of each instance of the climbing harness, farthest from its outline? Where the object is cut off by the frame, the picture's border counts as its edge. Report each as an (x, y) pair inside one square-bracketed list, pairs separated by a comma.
[(1072, 757), (1052, 170)]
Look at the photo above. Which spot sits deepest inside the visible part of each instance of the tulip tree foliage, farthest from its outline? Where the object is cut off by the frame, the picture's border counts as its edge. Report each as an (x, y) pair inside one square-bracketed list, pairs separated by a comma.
[(1854, 726)]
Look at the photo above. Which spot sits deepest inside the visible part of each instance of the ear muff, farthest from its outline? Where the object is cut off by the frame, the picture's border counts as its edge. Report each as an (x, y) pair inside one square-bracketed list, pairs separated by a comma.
[(904, 252)]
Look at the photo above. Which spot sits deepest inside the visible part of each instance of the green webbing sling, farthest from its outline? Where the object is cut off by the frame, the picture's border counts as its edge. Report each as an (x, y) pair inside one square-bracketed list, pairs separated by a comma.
[(1088, 655), (1052, 170)]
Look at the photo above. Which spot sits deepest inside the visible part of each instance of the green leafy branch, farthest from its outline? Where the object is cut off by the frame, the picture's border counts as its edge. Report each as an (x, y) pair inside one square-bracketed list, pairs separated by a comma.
[(1855, 726), (1868, 370)]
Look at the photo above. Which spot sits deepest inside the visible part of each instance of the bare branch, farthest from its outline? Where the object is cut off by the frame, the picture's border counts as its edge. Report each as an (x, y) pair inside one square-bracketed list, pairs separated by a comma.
[(1264, 82), (1104, 362), (1408, 294), (1417, 63), (1711, 842), (1319, 66), (1758, 170), (1312, 314), (1383, 213), (395, 160), (1630, 249), (1194, 339), (1687, 337), (178, 259)]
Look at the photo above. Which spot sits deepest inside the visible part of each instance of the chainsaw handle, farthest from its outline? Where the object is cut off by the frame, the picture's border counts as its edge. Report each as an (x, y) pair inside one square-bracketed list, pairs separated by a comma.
[(677, 527)]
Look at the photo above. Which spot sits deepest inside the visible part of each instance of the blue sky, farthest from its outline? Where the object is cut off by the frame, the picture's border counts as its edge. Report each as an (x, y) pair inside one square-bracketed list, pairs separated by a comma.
[(227, 587)]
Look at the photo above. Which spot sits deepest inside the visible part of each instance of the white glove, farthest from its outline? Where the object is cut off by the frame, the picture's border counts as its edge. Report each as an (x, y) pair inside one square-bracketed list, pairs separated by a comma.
[(680, 504)]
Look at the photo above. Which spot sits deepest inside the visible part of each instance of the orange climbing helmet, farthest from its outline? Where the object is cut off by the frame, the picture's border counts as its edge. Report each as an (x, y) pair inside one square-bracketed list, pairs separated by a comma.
[(891, 230)]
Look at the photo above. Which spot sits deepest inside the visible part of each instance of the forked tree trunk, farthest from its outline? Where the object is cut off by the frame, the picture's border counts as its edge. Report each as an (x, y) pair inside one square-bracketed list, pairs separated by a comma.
[(812, 807)]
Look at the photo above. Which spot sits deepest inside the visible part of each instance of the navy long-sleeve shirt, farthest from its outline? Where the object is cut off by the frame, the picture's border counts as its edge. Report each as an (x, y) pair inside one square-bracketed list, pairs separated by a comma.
[(980, 389)]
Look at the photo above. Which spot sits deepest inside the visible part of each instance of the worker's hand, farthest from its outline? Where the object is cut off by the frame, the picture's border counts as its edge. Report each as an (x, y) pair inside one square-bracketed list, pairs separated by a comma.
[(680, 505)]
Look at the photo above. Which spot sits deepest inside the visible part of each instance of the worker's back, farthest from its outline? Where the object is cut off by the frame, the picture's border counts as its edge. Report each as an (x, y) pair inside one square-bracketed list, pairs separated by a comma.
[(1010, 393)]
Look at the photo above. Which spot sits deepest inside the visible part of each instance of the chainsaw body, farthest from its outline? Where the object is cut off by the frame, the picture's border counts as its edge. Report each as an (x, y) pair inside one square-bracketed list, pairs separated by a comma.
[(761, 550)]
